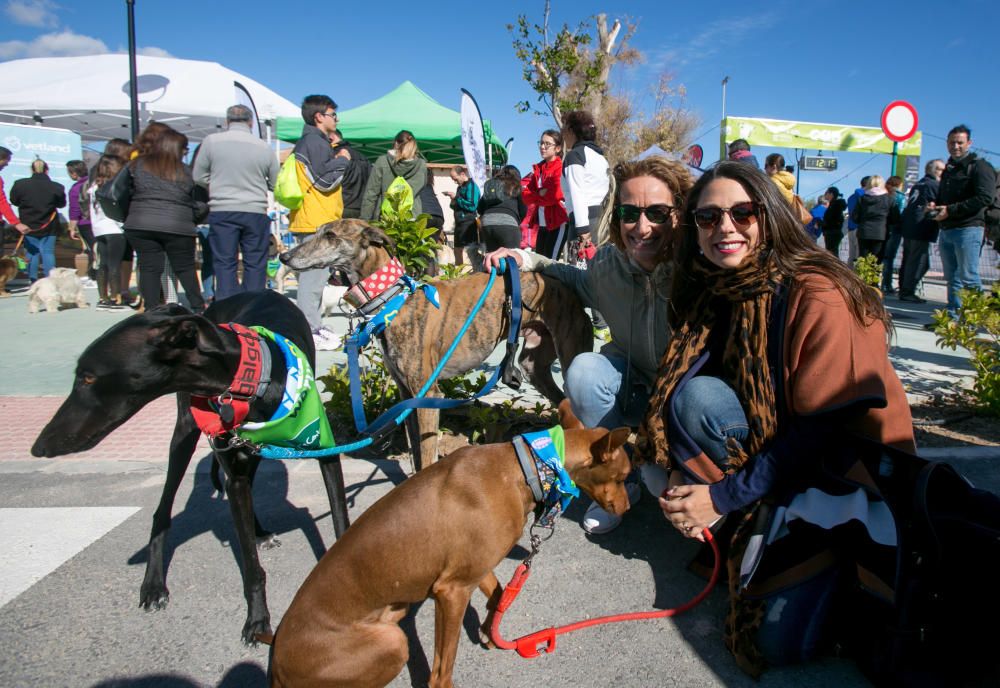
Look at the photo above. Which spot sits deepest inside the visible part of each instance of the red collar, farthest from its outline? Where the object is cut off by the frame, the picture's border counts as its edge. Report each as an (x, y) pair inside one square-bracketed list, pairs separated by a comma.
[(376, 283), (216, 415)]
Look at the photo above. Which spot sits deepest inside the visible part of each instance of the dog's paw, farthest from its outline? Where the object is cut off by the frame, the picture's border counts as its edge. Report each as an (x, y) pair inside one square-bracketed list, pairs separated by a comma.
[(484, 638), (153, 598), (269, 541), (255, 630)]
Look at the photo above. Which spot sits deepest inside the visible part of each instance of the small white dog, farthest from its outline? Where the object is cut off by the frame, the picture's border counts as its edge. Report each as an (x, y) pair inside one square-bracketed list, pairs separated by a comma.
[(331, 297), (61, 286)]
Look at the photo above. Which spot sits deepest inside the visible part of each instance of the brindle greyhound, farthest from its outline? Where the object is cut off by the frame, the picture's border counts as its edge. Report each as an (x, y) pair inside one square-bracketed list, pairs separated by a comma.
[(170, 350), (418, 337)]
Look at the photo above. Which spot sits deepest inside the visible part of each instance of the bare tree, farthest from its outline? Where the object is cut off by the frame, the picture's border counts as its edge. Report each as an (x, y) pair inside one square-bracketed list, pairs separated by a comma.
[(572, 69)]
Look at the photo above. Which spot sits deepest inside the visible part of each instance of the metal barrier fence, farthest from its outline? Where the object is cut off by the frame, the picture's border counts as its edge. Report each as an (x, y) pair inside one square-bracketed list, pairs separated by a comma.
[(989, 261)]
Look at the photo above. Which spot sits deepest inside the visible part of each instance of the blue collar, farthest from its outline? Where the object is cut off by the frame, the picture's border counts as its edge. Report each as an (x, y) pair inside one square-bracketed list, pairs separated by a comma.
[(381, 320), (556, 486)]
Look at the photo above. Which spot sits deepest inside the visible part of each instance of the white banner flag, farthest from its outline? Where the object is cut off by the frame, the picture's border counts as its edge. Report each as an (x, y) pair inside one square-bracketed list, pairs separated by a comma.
[(473, 140)]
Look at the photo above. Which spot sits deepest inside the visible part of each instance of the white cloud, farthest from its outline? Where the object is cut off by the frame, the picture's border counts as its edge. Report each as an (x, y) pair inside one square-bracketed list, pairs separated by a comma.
[(60, 44), (40, 13), (153, 51), (714, 38)]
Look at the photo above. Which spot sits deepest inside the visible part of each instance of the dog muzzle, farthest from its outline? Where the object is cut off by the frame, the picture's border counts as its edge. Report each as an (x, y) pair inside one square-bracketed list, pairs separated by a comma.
[(371, 293)]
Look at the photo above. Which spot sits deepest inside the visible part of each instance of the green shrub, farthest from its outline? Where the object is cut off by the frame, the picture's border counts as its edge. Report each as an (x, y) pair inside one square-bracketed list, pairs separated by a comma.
[(415, 243), (869, 269), (977, 329)]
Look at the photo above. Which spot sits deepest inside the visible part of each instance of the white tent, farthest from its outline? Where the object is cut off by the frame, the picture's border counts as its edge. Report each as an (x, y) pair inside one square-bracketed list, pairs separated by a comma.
[(90, 94)]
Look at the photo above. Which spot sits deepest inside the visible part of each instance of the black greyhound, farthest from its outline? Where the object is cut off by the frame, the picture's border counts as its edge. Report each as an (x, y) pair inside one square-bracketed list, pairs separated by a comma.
[(170, 350)]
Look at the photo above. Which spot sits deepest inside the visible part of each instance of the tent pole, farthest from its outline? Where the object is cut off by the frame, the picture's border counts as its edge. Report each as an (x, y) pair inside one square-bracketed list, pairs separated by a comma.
[(133, 86)]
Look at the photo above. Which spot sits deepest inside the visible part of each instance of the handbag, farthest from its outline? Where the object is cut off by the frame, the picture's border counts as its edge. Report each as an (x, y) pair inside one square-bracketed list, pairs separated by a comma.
[(116, 195), (944, 577)]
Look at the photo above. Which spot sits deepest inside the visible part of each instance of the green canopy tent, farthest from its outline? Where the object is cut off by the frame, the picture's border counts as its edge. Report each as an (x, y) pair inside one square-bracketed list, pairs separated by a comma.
[(371, 127)]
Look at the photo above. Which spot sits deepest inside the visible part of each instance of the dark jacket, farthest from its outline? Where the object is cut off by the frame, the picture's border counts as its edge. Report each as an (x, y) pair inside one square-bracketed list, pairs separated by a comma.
[(160, 205), (967, 188), (833, 219), (465, 201), (511, 206), (914, 224), (871, 215), (431, 205), (352, 186), (37, 198)]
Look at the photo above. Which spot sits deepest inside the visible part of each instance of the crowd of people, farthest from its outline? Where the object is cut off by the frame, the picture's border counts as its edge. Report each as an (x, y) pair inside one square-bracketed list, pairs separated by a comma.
[(725, 315)]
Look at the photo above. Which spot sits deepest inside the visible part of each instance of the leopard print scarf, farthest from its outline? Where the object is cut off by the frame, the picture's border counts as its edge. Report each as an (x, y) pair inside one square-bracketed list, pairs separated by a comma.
[(749, 289)]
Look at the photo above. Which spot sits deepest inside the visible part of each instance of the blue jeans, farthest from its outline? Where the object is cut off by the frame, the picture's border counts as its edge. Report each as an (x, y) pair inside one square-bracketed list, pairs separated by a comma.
[(598, 397), (234, 233), (207, 271), (40, 249), (959, 249), (794, 618), (888, 258)]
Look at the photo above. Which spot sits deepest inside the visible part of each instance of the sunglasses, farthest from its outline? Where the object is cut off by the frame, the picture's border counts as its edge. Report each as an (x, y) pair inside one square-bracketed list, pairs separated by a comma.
[(656, 214), (742, 215)]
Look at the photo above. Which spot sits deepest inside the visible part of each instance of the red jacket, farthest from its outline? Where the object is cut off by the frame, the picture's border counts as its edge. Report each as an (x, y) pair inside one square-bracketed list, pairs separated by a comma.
[(6, 212), (544, 175)]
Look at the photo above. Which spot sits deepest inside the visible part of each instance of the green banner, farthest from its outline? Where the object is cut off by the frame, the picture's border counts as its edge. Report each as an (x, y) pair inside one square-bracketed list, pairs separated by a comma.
[(779, 133)]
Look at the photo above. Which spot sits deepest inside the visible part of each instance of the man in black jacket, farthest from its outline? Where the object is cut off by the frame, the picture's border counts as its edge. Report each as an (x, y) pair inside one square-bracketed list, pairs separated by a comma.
[(833, 220), (919, 231), (967, 189), (37, 199), (352, 186)]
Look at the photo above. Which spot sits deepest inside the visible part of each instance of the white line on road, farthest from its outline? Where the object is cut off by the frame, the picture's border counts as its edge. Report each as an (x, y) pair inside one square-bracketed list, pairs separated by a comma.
[(38, 541)]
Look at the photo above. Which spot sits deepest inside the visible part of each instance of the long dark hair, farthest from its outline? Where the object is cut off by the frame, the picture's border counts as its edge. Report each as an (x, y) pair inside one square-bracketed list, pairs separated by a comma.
[(794, 252), (511, 178), (161, 150)]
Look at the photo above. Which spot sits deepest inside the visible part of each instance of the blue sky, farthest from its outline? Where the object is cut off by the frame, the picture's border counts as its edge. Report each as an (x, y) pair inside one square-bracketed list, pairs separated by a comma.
[(821, 61)]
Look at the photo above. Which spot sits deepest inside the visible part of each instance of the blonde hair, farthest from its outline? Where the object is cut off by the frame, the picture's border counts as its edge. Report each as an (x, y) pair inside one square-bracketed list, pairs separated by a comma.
[(405, 146), (875, 181), (671, 172)]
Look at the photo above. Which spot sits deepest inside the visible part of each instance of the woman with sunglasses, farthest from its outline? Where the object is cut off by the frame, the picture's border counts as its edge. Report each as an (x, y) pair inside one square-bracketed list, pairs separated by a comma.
[(544, 228), (628, 280), (776, 376)]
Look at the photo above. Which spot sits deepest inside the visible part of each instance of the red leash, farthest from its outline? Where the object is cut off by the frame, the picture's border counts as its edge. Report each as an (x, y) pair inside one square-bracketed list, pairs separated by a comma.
[(528, 646)]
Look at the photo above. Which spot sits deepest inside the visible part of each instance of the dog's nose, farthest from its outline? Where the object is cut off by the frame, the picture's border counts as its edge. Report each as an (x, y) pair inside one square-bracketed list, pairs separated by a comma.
[(284, 257)]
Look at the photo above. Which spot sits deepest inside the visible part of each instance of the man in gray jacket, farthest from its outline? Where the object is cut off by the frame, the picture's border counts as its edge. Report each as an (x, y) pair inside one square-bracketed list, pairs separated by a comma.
[(238, 169)]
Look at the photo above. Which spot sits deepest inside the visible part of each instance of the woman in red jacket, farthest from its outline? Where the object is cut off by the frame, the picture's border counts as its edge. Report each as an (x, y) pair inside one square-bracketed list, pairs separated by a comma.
[(544, 227)]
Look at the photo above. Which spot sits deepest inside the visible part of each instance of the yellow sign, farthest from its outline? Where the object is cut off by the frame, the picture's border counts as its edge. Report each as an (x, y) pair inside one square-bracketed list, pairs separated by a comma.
[(779, 133)]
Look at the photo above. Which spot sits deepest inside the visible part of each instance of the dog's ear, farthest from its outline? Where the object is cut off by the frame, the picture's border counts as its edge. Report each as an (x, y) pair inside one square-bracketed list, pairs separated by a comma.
[(182, 334), (375, 236), (568, 419), (603, 449)]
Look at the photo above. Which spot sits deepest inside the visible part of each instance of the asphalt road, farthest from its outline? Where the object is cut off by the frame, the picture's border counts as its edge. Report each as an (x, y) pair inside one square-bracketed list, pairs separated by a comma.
[(76, 530)]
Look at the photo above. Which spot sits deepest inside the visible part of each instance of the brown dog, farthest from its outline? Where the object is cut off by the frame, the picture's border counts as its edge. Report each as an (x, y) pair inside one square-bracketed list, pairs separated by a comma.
[(463, 515), (8, 271), (555, 322)]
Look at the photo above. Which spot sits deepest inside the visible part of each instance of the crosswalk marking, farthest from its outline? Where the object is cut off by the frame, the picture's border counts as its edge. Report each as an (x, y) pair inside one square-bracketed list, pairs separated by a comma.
[(38, 541)]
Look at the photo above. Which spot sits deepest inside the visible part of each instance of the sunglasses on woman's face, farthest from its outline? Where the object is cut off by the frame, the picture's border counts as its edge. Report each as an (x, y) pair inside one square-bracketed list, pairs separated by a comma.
[(656, 214), (742, 215)]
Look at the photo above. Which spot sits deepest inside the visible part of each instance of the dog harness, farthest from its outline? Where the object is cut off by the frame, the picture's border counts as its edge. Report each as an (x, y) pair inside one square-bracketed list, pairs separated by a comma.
[(299, 422), (216, 415), (542, 456)]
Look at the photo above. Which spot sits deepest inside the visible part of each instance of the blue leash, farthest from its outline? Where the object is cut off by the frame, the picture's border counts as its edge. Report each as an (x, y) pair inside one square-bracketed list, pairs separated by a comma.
[(395, 416)]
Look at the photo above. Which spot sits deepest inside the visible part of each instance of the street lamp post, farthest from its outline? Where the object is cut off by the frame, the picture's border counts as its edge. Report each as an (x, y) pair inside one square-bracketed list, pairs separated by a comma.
[(133, 86), (722, 132)]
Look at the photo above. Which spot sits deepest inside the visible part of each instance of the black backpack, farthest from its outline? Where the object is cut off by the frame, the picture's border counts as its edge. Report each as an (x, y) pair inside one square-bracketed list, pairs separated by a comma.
[(992, 230), (939, 626), (493, 193)]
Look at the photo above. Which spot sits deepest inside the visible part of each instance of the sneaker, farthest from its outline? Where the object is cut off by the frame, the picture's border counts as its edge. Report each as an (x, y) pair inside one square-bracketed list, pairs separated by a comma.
[(326, 340), (109, 305), (598, 521), (912, 298)]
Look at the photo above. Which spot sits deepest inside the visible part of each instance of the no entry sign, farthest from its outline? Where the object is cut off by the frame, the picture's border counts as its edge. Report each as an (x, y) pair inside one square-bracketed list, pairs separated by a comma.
[(899, 120)]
